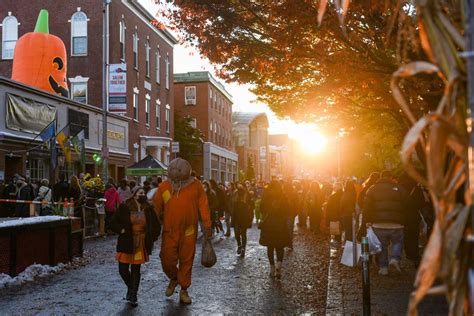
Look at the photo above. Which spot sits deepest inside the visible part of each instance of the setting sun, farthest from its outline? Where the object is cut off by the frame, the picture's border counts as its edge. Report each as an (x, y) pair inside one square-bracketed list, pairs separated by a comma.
[(309, 138)]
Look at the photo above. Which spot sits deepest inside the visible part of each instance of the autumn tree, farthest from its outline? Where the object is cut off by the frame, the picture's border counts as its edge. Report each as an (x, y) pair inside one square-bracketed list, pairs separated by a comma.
[(189, 138), (334, 76)]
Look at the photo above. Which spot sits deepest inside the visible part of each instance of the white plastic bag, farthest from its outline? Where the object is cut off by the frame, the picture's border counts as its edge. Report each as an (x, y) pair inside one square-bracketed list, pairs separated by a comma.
[(375, 246), (347, 255)]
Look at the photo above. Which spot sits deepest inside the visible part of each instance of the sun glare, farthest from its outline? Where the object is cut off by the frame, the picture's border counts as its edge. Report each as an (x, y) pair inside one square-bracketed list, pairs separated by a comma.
[(310, 139)]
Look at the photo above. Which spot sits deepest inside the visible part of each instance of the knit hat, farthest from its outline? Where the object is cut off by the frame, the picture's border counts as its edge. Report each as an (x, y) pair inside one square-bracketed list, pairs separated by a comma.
[(135, 190)]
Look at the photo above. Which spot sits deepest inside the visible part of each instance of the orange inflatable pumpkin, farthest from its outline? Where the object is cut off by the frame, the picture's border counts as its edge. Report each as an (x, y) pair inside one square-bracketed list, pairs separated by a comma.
[(40, 60)]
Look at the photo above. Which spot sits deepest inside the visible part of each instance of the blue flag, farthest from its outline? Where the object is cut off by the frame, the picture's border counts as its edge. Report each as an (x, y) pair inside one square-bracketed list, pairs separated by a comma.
[(49, 132)]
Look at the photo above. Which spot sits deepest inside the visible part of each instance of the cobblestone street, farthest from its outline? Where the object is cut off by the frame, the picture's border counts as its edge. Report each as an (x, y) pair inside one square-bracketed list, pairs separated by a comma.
[(233, 285)]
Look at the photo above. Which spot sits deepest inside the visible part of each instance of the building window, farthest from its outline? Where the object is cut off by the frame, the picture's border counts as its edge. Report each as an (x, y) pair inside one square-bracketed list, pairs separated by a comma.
[(167, 117), (147, 58), (79, 89), (79, 33), (38, 169), (9, 36), (158, 66), (158, 114), (135, 105), (122, 40), (147, 110), (215, 99), (210, 128), (135, 50), (193, 122), (167, 72), (190, 95), (135, 154)]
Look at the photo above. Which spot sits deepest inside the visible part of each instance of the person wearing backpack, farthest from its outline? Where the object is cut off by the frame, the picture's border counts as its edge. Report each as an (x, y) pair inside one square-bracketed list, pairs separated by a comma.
[(45, 195)]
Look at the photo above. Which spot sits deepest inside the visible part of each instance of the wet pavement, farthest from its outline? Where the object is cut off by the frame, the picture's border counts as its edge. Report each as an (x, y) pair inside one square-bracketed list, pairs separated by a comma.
[(233, 286)]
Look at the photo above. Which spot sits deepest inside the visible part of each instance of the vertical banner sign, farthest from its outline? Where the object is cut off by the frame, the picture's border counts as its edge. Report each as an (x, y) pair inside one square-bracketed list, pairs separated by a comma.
[(118, 88)]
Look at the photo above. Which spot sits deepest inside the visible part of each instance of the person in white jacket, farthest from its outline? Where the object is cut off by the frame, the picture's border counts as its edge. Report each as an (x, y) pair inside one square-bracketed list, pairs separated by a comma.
[(45, 195)]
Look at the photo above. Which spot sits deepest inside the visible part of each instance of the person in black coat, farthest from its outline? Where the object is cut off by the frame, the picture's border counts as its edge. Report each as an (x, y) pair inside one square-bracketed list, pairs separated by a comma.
[(274, 233), (138, 227), (24, 193), (241, 219)]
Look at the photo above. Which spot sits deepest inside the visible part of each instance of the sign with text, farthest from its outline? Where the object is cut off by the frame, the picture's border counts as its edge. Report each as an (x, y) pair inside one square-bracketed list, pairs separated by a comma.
[(175, 147), (118, 88)]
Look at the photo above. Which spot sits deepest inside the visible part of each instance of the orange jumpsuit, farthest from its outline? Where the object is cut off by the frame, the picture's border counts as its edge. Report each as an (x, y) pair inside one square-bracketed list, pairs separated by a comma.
[(180, 227)]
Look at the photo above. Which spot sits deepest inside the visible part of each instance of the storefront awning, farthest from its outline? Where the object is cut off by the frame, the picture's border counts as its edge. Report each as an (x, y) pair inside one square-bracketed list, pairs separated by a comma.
[(148, 166)]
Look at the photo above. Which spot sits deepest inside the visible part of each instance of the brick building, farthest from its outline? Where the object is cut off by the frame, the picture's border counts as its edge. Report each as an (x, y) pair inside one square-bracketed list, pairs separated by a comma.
[(200, 96), (133, 40)]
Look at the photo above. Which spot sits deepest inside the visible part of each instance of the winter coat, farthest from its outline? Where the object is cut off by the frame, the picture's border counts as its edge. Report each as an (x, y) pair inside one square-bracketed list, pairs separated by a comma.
[(60, 191), (44, 194), (243, 214), (333, 207), (386, 202), (113, 200), (23, 209), (274, 226), (348, 204), (121, 220), (221, 200), (213, 204)]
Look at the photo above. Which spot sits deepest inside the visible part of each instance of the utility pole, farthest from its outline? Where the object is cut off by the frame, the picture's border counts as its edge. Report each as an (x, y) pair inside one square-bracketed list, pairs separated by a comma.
[(105, 88)]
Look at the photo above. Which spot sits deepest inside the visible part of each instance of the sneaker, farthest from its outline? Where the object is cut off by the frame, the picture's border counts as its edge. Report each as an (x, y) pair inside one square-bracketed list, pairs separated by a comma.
[(171, 287), (383, 271), (395, 265), (278, 270), (272, 270), (184, 297)]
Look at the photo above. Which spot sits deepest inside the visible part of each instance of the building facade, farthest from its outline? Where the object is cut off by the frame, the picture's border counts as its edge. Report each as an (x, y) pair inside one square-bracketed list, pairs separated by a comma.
[(134, 41), (282, 156), (201, 97), (250, 133)]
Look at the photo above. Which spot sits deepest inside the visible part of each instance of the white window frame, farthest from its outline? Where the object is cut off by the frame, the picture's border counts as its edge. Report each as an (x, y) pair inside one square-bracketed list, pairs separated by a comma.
[(136, 39), (79, 80), (122, 37), (167, 72), (147, 58), (14, 38), (73, 26), (147, 110), (190, 95), (167, 118), (158, 115), (193, 122), (135, 103), (158, 66), (210, 128)]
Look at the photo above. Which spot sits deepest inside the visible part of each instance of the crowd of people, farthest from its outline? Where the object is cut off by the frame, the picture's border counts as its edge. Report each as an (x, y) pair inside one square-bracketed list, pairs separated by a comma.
[(180, 204)]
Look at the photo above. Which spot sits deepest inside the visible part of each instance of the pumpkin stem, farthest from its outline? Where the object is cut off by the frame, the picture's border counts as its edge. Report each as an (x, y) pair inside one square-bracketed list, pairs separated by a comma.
[(42, 25)]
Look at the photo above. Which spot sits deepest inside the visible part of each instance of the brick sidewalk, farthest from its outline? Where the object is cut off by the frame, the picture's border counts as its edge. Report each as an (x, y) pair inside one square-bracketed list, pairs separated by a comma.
[(389, 294)]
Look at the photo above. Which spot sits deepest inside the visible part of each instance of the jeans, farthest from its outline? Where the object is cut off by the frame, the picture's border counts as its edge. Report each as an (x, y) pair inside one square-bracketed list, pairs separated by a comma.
[(387, 236)]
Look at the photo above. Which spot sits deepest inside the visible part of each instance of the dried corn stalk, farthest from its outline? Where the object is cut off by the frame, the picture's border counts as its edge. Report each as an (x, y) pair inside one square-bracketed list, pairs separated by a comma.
[(443, 138)]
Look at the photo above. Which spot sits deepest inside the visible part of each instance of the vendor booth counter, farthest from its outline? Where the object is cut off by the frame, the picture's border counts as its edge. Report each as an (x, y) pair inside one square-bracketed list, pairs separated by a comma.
[(47, 240)]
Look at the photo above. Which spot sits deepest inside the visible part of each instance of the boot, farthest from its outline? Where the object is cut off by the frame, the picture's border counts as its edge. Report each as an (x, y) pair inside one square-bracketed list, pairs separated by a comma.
[(184, 297), (242, 252), (135, 283), (272, 270), (239, 250), (278, 269), (171, 287)]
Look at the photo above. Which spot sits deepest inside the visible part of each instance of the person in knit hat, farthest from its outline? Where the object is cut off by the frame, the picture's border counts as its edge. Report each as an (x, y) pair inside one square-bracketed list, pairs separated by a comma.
[(182, 200)]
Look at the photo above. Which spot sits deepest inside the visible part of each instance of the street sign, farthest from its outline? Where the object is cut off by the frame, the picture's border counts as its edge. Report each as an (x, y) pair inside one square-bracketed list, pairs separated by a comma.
[(175, 147)]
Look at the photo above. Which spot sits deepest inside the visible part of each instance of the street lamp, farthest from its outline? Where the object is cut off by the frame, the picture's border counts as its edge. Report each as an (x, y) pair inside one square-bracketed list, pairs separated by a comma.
[(105, 87)]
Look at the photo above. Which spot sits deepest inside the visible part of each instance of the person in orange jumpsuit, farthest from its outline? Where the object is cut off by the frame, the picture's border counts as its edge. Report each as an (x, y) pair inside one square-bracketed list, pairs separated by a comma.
[(182, 201)]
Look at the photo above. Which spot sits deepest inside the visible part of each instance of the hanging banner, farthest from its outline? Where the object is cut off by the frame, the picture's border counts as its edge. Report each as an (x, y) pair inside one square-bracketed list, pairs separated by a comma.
[(118, 88), (27, 115)]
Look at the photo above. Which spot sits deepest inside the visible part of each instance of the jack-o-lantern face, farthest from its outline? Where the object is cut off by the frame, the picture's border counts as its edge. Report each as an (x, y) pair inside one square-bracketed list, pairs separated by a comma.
[(179, 169), (40, 59)]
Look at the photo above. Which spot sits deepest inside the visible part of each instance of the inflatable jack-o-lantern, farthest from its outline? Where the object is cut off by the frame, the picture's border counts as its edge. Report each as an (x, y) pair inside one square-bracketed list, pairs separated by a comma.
[(40, 60)]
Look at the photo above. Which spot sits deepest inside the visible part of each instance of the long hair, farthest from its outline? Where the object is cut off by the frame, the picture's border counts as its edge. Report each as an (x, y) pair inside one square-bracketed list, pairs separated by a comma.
[(75, 184), (132, 206), (372, 179)]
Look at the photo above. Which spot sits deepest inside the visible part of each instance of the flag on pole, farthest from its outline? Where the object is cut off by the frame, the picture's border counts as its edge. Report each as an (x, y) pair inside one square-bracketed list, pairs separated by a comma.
[(62, 139), (48, 132), (53, 153), (77, 141)]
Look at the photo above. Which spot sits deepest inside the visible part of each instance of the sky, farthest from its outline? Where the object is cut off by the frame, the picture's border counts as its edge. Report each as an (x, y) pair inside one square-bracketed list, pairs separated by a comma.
[(188, 59)]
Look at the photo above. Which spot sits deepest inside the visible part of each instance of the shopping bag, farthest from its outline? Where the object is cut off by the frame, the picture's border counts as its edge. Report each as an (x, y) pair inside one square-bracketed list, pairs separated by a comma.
[(208, 256), (334, 228), (375, 246), (347, 256)]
